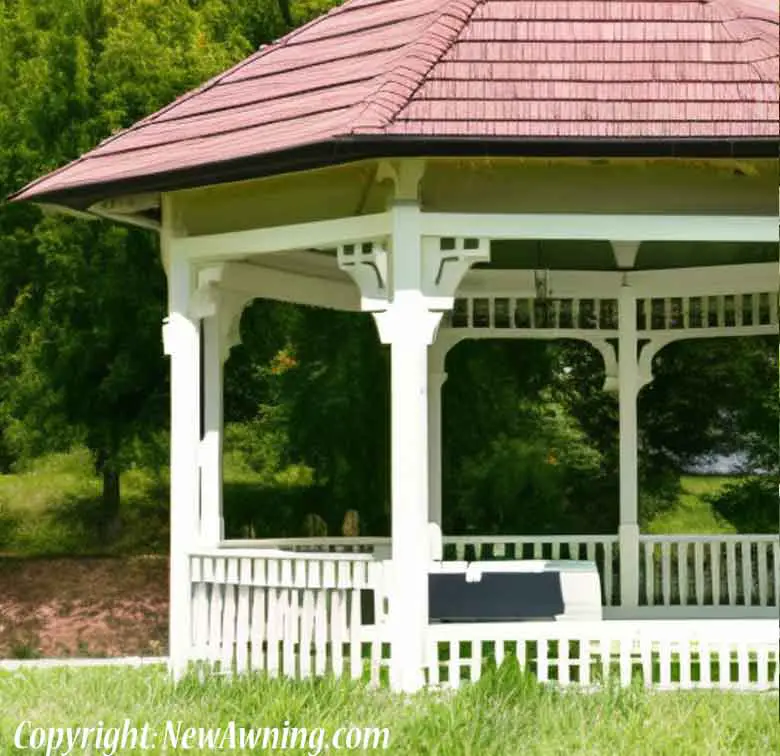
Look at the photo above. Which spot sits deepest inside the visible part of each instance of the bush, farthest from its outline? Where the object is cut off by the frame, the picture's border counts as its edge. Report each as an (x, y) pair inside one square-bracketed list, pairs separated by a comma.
[(750, 505), (546, 479), (9, 524)]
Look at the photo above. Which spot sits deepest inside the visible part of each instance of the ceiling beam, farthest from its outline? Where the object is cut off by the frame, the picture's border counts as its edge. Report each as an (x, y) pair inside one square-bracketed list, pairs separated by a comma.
[(610, 228), (326, 234), (750, 278), (285, 286)]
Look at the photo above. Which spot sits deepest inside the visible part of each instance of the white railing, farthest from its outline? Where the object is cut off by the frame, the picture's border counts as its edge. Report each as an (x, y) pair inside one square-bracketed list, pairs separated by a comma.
[(722, 570), (301, 615), (756, 312), (294, 616), (601, 549), (739, 654), (674, 570), (324, 545)]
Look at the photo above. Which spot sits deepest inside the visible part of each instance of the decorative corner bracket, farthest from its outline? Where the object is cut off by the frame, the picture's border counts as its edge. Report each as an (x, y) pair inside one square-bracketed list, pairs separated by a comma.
[(406, 175), (366, 263), (233, 306), (212, 300), (645, 363), (445, 262), (609, 354)]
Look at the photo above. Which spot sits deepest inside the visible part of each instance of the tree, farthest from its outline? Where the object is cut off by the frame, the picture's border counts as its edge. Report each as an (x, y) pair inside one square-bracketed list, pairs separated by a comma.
[(83, 302)]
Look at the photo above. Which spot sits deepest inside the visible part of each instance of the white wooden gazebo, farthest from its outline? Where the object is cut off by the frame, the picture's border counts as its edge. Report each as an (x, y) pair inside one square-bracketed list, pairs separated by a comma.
[(416, 161)]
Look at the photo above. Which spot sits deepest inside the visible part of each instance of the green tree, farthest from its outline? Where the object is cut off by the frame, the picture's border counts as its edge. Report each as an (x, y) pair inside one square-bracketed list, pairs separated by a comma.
[(83, 302)]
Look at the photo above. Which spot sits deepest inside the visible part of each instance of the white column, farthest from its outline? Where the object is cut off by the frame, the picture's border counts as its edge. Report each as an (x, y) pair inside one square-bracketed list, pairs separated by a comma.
[(409, 328), (212, 529), (181, 337), (628, 386), (436, 380)]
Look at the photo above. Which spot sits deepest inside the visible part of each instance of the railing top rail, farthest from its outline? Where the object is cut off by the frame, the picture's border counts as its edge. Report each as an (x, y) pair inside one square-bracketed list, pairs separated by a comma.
[(466, 540), (223, 552), (732, 632), (561, 539), (303, 541), (714, 538)]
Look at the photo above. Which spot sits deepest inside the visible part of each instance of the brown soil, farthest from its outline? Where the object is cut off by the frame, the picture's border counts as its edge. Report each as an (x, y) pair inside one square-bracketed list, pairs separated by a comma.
[(83, 607)]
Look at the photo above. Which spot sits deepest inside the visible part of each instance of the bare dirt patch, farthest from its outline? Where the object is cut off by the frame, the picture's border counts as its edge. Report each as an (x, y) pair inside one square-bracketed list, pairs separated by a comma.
[(83, 607)]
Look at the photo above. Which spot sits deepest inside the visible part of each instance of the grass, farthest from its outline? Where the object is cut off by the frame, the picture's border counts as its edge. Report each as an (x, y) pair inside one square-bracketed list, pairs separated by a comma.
[(693, 513), (502, 715)]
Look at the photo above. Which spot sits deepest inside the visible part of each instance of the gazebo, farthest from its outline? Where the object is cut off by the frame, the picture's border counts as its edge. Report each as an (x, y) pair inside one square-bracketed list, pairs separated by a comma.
[(410, 159)]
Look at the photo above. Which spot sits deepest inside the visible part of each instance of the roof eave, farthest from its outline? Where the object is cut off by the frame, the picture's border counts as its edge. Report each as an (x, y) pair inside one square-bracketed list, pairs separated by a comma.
[(350, 149)]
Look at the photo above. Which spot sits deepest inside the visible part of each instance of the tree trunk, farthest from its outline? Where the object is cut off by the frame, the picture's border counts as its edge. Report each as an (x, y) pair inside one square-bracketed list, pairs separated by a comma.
[(110, 521), (284, 9)]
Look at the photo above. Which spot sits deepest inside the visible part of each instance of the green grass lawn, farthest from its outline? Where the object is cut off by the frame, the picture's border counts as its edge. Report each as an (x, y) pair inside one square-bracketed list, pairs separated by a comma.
[(693, 513), (499, 716)]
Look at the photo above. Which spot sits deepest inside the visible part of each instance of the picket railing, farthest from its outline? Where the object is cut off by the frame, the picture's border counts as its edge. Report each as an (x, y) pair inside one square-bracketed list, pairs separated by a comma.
[(659, 654), (723, 570), (292, 615), (674, 570), (601, 549), (301, 615)]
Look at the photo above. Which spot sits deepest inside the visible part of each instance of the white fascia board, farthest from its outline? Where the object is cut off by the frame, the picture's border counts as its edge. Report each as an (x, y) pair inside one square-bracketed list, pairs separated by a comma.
[(613, 228), (315, 235)]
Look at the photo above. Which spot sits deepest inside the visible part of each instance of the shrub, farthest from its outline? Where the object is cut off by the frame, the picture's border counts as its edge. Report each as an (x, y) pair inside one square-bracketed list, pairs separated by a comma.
[(751, 505)]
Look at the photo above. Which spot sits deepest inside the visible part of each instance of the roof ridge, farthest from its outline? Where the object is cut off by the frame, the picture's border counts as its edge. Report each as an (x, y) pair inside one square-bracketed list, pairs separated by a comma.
[(430, 47), (718, 8)]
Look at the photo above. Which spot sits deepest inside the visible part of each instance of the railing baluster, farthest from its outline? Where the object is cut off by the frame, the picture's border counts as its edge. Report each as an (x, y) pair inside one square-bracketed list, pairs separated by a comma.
[(607, 573), (762, 555), (649, 573), (259, 630), (682, 572), (731, 572), (715, 566), (747, 571), (666, 572), (215, 620), (542, 660), (698, 566), (242, 615)]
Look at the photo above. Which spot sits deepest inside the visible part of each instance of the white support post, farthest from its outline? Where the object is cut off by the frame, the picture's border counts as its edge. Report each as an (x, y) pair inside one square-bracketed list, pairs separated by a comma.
[(407, 291), (436, 379), (181, 337), (409, 327), (212, 528), (628, 388)]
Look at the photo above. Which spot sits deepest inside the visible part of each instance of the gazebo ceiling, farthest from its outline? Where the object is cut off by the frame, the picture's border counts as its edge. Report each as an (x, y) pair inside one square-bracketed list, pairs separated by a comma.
[(383, 78)]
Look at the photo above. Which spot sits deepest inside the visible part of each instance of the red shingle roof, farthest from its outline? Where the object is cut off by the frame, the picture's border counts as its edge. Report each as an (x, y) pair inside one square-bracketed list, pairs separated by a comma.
[(557, 70)]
